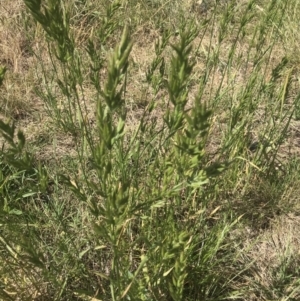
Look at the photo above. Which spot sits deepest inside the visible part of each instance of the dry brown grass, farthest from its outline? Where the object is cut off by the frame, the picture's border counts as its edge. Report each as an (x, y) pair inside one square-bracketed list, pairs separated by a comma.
[(271, 255)]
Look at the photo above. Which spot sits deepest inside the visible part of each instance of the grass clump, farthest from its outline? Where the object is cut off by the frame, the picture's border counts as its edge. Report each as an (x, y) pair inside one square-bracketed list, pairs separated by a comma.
[(161, 175)]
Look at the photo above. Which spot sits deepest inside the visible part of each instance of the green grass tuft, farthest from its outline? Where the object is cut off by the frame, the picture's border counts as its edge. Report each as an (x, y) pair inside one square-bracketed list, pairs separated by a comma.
[(157, 152)]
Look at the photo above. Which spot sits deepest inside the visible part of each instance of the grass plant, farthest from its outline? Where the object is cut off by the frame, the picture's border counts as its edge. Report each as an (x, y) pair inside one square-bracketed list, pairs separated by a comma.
[(157, 159)]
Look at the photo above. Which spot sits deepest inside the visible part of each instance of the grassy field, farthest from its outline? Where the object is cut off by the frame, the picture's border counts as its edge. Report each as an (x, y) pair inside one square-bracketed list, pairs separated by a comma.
[(149, 150)]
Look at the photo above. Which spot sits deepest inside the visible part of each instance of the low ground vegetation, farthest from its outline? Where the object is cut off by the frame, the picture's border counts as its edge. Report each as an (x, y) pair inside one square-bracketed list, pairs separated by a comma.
[(149, 150)]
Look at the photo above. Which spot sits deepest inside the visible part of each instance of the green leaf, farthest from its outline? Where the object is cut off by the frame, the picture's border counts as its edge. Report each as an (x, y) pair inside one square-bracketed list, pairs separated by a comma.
[(2, 73), (83, 252), (26, 195), (15, 212)]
